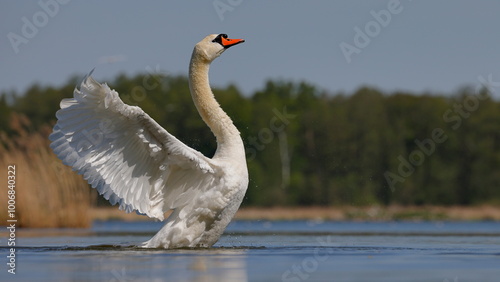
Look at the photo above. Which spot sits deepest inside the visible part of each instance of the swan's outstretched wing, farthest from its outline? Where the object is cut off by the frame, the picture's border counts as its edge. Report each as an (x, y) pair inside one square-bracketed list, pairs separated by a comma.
[(125, 154)]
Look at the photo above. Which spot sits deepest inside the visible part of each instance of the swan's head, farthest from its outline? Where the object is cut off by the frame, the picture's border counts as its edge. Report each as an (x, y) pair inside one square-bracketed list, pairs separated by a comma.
[(213, 45)]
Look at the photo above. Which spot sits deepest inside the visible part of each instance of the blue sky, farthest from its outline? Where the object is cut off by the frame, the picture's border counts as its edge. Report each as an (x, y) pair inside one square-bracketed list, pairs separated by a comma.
[(421, 46)]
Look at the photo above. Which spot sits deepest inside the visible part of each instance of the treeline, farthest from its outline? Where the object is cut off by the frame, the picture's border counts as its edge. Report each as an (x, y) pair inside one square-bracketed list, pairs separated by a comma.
[(306, 146)]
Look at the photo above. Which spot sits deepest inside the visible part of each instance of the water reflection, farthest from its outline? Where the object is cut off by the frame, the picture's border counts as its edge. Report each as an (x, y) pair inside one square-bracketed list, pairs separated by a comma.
[(225, 268), (134, 264)]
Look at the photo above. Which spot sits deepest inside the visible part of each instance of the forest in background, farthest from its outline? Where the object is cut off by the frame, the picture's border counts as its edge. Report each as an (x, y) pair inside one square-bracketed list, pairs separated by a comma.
[(310, 147)]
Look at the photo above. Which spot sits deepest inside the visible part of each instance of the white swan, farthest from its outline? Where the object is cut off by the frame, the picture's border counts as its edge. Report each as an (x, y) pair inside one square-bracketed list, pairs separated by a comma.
[(133, 161)]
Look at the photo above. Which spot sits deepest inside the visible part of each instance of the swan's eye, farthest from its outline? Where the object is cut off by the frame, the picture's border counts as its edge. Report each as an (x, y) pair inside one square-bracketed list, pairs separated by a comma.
[(226, 42), (219, 37)]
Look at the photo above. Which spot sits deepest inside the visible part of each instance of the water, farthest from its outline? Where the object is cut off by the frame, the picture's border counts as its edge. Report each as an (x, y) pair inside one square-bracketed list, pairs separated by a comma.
[(265, 251)]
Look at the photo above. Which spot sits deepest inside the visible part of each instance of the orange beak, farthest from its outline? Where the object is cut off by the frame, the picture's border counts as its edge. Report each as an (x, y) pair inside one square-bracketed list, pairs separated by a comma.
[(228, 42)]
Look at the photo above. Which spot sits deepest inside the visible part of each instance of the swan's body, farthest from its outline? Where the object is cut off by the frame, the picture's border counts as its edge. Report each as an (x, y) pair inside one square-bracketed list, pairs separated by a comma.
[(133, 161)]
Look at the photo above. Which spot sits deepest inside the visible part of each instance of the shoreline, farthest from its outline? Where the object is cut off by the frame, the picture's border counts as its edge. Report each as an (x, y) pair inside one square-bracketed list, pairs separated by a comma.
[(346, 213), (373, 213)]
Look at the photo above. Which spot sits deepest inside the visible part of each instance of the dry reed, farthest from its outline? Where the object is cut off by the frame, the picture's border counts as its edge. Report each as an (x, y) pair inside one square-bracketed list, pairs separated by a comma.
[(48, 193)]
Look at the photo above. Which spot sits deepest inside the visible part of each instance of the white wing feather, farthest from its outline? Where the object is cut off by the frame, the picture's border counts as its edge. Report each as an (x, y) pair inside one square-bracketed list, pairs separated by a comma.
[(126, 155)]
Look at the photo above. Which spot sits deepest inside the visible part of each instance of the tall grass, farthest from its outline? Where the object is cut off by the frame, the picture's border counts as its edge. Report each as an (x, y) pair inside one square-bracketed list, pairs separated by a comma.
[(48, 193)]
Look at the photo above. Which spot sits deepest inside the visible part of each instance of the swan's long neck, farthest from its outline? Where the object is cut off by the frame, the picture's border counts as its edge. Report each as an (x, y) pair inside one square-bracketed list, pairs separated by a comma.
[(212, 114)]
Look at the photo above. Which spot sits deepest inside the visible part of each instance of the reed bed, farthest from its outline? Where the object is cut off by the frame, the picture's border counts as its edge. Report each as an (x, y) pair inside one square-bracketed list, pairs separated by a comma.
[(48, 193)]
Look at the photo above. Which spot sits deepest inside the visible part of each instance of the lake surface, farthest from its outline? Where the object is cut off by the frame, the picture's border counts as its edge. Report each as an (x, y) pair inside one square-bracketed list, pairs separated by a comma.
[(264, 251)]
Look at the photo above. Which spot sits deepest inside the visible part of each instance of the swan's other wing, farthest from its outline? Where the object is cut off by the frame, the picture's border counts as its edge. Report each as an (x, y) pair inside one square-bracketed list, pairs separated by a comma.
[(125, 154)]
